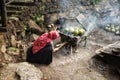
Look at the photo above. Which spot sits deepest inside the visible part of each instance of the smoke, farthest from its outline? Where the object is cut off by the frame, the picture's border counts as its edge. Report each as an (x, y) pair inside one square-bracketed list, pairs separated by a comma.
[(68, 4), (90, 24), (106, 12), (110, 12)]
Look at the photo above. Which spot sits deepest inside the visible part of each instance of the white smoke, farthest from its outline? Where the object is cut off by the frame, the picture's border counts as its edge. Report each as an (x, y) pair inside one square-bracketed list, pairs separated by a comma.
[(91, 24), (106, 12)]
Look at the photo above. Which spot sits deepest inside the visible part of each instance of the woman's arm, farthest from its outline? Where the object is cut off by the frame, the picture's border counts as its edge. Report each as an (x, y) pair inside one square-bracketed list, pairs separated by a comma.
[(61, 45)]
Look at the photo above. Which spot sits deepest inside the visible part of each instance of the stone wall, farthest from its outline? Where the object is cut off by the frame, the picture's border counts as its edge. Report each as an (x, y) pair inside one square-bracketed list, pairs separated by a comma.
[(51, 5)]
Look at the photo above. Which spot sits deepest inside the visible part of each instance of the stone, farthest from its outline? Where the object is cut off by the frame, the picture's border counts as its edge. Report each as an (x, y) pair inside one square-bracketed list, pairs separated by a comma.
[(109, 48), (48, 0), (3, 48), (80, 18), (14, 18), (19, 44), (34, 27), (25, 52), (33, 37), (7, 57), (28, 72), (53, 18), (43, 1), (15, 52), (20, 71), (13, 41)]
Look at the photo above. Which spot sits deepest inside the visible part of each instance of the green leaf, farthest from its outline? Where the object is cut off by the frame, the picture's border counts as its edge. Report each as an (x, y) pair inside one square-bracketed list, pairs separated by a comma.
[(12, 48)]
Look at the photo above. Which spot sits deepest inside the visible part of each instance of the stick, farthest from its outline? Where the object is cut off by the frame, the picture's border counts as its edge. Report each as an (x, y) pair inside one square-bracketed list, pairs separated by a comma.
[(62, 44), (71, 50)]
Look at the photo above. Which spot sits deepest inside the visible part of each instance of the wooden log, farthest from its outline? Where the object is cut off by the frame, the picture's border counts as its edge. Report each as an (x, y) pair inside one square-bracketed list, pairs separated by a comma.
[(15, 7), (13, 11), (23, 3)]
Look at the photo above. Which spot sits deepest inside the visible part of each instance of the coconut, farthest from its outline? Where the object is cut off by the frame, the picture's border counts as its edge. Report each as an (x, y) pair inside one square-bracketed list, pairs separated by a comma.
[(71, 29), (76, 32), (81, 31), (117, 32), (66, 29)]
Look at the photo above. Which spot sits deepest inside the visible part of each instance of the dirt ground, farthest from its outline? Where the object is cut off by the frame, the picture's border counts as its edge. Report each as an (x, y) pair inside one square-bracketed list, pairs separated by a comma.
[(78, 66)]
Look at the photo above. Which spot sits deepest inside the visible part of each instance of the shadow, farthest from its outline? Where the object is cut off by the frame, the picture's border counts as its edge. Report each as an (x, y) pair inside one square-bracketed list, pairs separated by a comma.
[(107, 65)]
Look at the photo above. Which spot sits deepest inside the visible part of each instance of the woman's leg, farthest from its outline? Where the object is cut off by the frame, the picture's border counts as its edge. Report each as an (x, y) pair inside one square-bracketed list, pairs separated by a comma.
[(29, 54)]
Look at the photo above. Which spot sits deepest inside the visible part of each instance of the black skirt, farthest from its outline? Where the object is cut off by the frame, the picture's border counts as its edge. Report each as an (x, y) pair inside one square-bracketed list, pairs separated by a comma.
[(44, 56)]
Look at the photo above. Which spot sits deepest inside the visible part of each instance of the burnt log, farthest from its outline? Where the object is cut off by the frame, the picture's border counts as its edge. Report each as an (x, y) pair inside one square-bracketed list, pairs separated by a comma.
[(66, 38)]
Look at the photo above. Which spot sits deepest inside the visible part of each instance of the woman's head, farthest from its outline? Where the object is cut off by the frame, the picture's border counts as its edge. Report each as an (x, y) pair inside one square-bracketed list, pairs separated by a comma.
[(53, 35)]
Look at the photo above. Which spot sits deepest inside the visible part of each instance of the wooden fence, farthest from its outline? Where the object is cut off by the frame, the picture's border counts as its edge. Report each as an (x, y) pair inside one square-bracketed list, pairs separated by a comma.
[(3, 4)]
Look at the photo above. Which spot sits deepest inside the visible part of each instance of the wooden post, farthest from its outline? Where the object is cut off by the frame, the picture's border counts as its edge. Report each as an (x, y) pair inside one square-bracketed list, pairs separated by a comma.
[(3, 13)]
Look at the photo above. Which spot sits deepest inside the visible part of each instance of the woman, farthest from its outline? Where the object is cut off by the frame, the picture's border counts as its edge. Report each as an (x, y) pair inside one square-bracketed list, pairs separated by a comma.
[(41, 50)]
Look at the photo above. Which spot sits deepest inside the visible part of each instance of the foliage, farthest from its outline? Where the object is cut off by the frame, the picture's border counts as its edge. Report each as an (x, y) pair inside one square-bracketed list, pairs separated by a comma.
[(24, 28), (38, 18), (94, 2), (42, 7), (12, 48)]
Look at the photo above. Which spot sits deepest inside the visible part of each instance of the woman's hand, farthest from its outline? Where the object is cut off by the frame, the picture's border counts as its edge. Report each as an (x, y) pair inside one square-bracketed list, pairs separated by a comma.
[(55, 50), (61, 45)]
